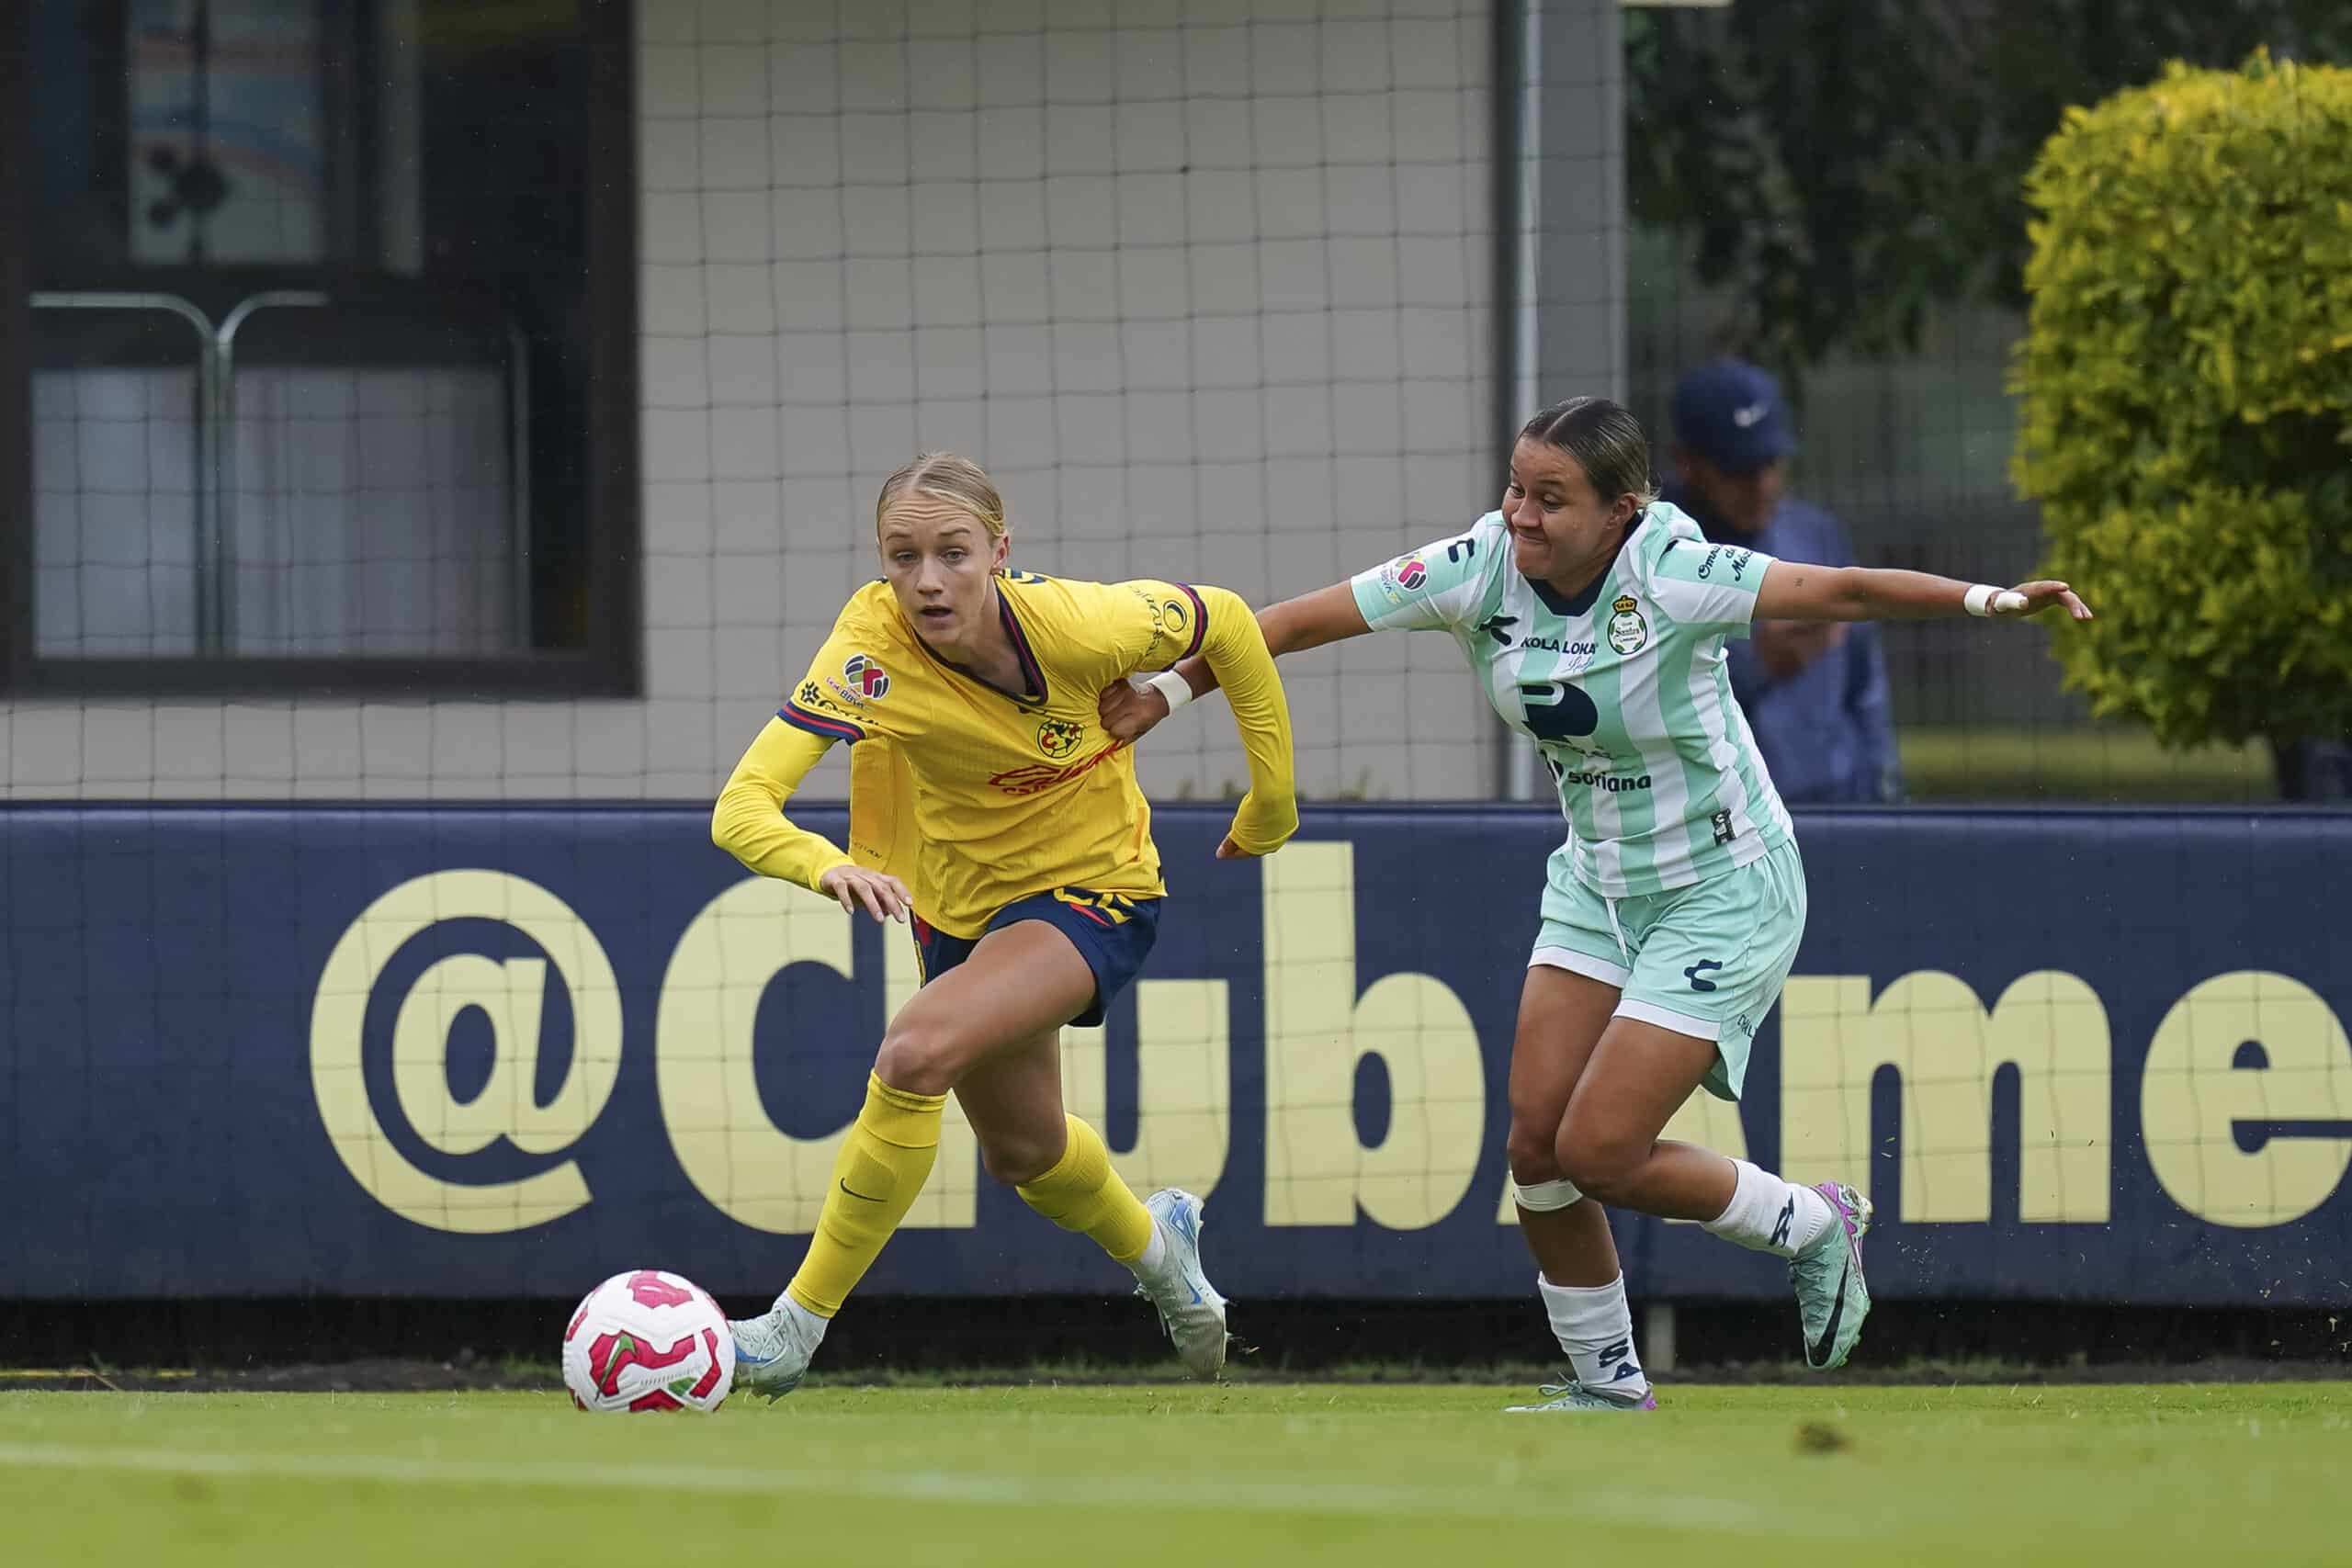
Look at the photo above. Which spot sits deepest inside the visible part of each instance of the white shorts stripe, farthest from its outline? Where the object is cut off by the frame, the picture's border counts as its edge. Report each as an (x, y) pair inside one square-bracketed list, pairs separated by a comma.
[(1584, 963), (1667, 1018)]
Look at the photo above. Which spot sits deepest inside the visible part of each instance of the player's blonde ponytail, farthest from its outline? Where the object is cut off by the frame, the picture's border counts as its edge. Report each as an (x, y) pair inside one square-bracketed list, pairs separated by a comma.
[(948, 477)]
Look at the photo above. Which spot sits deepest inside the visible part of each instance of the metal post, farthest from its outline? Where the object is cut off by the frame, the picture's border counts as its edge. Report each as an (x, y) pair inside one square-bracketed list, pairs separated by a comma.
[(224, 471), (1526, 160), (1657, 1337)]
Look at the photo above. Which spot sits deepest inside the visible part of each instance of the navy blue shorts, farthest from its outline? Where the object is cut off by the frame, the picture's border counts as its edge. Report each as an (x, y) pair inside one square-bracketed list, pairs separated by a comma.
[(1112, 932)]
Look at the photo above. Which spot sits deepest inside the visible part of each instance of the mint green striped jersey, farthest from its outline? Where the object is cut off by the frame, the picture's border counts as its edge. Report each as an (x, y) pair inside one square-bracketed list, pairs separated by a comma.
[(1624, 690)]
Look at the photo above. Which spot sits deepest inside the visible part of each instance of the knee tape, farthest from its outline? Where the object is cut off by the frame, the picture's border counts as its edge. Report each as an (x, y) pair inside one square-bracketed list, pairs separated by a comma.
[(1546, 1196)]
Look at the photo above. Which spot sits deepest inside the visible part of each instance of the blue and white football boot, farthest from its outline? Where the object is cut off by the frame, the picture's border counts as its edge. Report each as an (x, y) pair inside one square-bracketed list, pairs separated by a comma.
[(772, 1350), (1191, 1310)]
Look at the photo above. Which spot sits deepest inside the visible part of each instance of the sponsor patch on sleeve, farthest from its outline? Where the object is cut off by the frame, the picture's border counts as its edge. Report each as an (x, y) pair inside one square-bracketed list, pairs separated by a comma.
[(867, 677), (1402, 577)]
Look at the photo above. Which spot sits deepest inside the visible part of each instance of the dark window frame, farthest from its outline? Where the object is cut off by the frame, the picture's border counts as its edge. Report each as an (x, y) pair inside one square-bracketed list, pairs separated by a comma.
[(16, 331), (612, 662)]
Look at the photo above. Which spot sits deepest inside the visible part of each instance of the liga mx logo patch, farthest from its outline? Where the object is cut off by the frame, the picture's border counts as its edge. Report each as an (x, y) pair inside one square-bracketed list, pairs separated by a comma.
[(867, 677), (1057, 738), (1401, 576)]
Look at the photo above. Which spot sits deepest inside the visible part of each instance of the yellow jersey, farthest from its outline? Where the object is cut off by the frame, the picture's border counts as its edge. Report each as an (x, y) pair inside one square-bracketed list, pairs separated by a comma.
[(983, 796)]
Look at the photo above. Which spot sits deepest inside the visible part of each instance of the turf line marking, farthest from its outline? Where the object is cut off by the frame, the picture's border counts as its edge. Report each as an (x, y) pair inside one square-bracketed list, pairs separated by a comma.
[(1225, 1494)]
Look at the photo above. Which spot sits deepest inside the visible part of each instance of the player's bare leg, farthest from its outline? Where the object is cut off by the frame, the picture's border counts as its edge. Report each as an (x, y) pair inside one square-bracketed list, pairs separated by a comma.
[(1020, 983), (1609, 1146), (1013, 1101), (1561, 1017)]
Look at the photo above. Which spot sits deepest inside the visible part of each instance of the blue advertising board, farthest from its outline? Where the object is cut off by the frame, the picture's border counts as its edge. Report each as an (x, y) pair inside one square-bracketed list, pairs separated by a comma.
[(457, 1051)]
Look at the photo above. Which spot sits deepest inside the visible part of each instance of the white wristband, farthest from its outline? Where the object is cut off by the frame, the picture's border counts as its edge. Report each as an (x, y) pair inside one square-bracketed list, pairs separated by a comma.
[(1984, 599), (1169, 686)]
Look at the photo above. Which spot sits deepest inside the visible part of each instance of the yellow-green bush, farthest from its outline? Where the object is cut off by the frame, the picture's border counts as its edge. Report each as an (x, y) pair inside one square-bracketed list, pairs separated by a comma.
[(2188, 398)]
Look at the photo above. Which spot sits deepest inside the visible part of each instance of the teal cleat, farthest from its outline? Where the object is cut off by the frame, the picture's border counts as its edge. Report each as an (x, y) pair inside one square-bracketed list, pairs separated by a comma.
[(1832, 1297), (1574, 1395)]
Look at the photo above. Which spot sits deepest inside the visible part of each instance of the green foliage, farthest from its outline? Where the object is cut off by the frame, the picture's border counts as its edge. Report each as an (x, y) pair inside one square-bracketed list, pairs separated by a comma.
[(1841, 164), (2187, 399)]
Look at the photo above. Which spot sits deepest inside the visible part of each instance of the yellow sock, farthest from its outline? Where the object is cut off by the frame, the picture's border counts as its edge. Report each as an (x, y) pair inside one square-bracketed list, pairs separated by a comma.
[(1082, 1192), (883, 1165)]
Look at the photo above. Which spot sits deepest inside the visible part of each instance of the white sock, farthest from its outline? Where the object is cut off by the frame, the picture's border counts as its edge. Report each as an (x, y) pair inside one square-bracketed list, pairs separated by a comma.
[(1155, 1255), (806, 1325), (1595, 1328), (1768, 1214)]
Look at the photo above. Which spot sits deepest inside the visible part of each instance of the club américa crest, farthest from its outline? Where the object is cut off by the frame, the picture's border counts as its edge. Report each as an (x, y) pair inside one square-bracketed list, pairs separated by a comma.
[(1057, 738), (866, 677)]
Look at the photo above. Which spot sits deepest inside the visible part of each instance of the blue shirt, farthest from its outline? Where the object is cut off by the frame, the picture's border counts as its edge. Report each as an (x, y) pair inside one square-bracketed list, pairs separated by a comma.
[(1825, 732)]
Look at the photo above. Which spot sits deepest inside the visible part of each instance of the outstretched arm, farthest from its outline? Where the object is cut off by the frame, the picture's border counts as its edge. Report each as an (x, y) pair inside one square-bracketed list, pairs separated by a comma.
[(1328, 614), (1238, 658), (1793, 590)]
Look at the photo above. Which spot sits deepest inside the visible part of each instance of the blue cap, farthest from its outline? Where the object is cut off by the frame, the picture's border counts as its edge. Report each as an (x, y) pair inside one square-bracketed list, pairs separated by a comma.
[(1730, 413)]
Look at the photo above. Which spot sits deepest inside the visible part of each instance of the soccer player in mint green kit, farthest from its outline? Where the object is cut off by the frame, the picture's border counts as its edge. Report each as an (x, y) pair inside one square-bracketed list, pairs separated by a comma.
[(1593, 616)]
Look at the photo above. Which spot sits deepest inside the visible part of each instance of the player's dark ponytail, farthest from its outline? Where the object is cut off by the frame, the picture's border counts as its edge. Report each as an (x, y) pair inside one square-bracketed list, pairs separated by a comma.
[(1607, 442)]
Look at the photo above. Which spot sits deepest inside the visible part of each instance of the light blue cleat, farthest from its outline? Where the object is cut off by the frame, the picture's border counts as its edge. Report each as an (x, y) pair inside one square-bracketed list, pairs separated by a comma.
[(1191, 1310), (772, 1353), (1574, 1395), (1832, 1298)]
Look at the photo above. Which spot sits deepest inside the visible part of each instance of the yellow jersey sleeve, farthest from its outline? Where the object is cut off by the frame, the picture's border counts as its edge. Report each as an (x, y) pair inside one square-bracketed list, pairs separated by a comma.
[(1160, 624), (838, 699), (1153, 624), (1228, 638), (748, 821), (1095, 632)]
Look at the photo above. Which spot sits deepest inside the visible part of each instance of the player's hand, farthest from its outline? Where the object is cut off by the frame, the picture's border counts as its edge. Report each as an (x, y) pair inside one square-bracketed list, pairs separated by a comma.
[(877, 892), (2039, 596), (1230, 848), (1128, 714)]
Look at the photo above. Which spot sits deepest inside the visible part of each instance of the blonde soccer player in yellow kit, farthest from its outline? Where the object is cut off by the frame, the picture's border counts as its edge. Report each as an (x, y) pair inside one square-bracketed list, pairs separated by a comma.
[(988, 805)]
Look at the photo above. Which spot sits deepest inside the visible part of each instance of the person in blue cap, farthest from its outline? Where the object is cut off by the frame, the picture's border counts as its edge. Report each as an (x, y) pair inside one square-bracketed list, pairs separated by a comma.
[(1814, 693)]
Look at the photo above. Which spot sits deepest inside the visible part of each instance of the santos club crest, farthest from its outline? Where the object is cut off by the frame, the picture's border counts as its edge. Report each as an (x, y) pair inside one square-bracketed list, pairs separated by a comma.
[(1627, 630)]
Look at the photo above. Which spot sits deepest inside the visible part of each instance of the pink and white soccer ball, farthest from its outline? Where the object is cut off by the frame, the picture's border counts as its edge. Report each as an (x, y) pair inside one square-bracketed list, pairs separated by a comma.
[(649, 1340)]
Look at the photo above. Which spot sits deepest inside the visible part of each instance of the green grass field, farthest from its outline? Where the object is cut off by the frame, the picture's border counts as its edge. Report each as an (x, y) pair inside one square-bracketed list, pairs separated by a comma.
[(1126, 1477)]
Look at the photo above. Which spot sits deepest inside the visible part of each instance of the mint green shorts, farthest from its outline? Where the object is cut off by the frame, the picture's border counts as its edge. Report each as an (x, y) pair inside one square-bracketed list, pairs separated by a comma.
[(1707, 960)]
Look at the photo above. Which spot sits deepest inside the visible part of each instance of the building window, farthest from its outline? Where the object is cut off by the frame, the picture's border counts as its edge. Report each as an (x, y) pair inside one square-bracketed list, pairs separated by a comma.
[(325, 374)]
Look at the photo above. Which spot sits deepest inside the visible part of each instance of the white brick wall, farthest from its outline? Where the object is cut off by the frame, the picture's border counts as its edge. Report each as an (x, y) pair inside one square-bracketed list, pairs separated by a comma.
[(1204, 282)]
